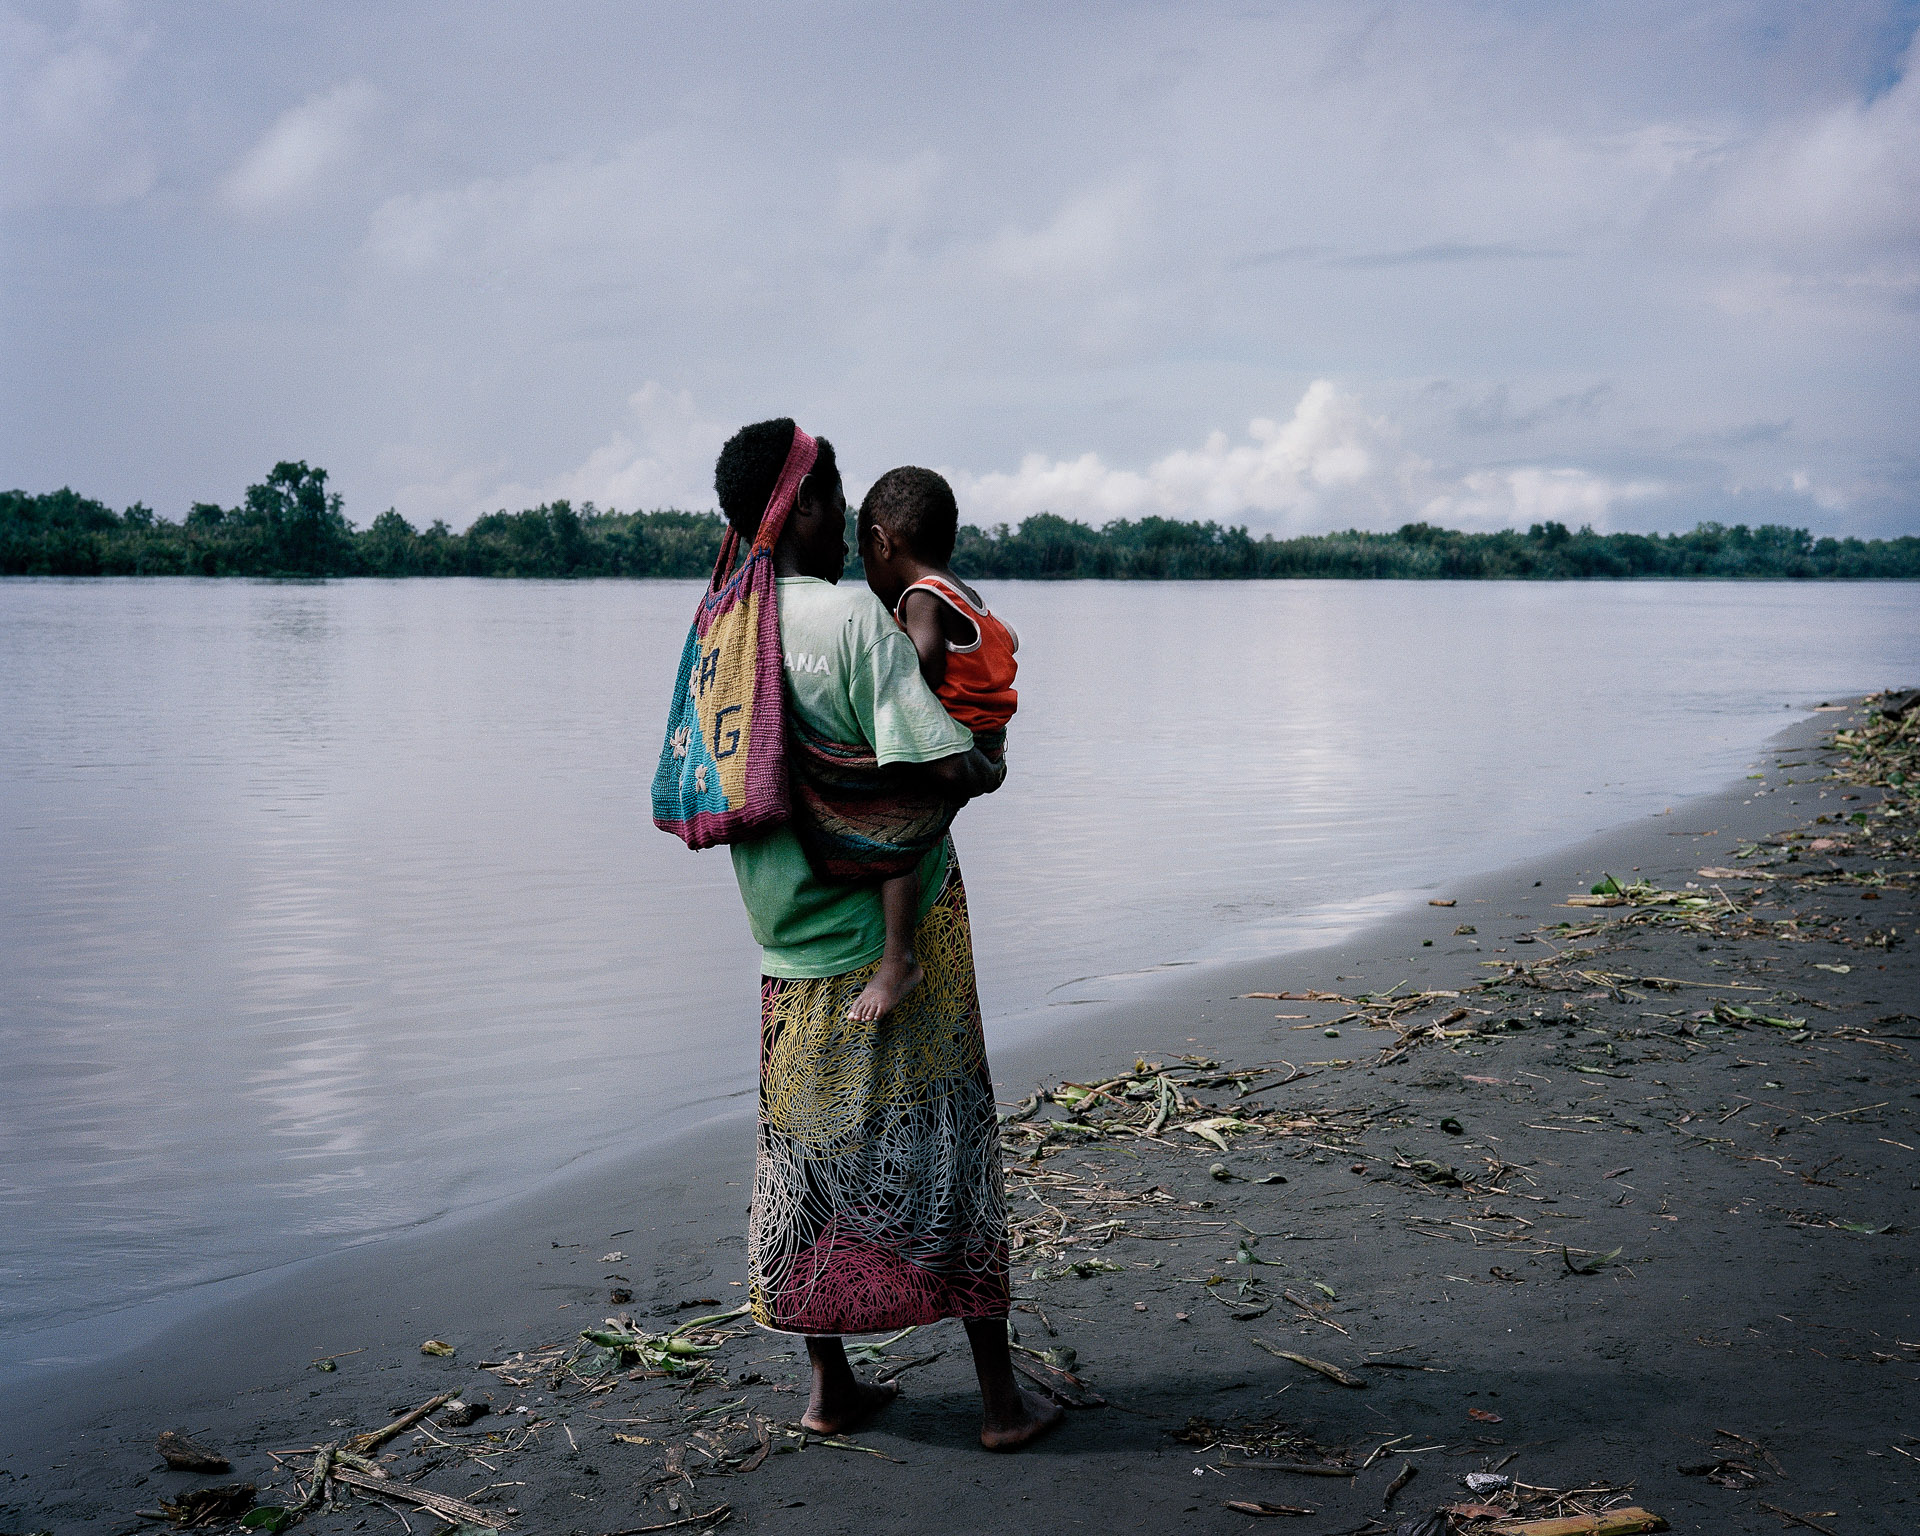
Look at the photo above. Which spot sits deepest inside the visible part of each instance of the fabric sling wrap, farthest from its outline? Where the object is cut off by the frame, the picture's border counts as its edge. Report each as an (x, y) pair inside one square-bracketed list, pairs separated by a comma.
[(859, 822), (722, 776)]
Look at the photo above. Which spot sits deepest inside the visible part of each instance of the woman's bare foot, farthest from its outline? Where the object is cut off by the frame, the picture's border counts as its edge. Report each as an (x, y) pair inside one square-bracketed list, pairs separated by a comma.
[(844, 1407), (1014, 1430), (893, 981)]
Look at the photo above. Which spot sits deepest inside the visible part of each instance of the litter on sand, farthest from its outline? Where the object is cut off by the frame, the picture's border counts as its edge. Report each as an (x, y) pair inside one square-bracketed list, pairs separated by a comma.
[(185, 1454), (1612, 1522), (1326, 1369)]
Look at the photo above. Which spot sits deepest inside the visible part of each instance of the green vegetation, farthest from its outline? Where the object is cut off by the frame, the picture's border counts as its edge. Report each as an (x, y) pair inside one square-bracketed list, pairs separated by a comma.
[(1156, 547), (291, 525)]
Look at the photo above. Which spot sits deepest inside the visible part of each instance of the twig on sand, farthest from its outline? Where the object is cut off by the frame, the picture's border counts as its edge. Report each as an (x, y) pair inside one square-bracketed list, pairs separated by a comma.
[(1787, 1514), (718, 1514), (1331, 1372), (1063, 1387), (848, 1445), (439, 1503), (406, 1421)]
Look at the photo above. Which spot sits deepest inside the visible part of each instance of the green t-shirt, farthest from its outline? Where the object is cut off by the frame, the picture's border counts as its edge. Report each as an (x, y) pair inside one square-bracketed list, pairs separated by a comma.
[(853, 675)]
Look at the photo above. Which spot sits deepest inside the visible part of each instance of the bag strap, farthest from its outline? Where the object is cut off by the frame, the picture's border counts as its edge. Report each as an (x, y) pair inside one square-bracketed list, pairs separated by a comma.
[(786, 492)]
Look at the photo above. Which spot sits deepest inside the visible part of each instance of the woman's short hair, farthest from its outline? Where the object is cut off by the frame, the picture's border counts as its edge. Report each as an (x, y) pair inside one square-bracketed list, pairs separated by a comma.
[(917, 507), (749, 467)]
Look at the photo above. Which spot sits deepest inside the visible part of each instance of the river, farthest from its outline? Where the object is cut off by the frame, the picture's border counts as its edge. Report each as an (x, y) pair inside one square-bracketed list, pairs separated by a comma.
[(328, 908)]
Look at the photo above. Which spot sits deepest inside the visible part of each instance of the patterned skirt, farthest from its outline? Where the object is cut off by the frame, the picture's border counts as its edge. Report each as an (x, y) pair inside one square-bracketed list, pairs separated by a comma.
[(878, 1200)]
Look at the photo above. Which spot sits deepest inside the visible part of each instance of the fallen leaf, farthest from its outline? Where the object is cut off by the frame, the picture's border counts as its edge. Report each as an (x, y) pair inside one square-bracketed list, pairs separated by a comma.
[(435, 1347), (1483, 1416), (1591, 1266)]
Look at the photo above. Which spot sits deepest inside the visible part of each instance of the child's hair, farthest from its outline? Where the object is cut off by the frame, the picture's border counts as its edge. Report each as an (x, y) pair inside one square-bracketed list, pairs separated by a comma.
[(749, 467), (917, 507)]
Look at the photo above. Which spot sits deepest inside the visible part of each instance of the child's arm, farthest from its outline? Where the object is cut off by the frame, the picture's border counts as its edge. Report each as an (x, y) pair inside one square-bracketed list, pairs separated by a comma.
[(920, 617)]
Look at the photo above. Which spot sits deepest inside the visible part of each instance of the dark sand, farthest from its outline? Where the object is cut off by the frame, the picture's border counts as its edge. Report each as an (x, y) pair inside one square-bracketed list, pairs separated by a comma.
[(1720, 1165)]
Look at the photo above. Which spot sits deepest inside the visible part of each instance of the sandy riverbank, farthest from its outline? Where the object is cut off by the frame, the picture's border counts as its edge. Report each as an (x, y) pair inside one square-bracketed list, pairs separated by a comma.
[(1741, 1298)]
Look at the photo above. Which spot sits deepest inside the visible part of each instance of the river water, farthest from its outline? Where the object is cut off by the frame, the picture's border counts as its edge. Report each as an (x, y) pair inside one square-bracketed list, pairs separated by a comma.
[(328, 908)]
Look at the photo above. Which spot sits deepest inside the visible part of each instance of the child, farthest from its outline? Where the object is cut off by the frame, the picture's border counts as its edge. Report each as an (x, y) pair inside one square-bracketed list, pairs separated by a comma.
[(906, 531)]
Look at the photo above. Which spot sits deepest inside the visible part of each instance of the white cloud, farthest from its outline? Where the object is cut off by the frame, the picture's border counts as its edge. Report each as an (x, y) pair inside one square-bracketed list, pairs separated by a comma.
[(664, 459), (578, 218), (305, 143), (1499, 498), (1831, 198), (66, 133), (1331, 462), (1084, 240)]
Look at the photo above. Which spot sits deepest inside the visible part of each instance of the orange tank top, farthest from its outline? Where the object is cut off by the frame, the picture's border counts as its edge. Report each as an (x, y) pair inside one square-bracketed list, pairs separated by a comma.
[(978, 688)]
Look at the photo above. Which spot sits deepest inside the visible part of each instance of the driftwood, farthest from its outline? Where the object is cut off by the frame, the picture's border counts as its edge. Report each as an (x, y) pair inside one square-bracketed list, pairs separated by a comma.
[(1331, 1372), (439, 1503), (185, 1454), (1063, 1387), (406, 1421), (209, 1506), (1612, 1522)]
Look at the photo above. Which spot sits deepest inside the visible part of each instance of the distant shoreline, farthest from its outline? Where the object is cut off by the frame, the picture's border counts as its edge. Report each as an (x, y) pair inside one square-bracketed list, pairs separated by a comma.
[(290, 525)]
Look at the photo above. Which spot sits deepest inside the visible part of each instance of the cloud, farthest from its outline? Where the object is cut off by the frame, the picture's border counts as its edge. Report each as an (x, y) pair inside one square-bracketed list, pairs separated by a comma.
[(660, 208), (1331, 462), (1499, 498), (663, 459), (305, 143), (1830, 199), (1429, 255), (67, 135), (1493, 412), (1085, 240), (957, 239)]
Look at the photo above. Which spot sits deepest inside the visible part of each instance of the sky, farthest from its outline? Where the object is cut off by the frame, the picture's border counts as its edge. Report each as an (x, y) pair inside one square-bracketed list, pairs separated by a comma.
[(1300, 266)]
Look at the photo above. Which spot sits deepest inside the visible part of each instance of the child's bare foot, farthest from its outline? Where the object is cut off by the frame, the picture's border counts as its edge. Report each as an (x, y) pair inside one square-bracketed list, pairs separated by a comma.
[(1033, 1419), (838, 1411), (893, 981)]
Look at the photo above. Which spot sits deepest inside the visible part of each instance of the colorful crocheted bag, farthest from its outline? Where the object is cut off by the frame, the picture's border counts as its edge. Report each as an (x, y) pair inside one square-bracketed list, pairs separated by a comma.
[(723, 768)]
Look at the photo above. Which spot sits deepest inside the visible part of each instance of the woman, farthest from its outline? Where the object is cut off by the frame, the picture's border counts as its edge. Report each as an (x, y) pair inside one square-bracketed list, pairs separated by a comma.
[(878, 1199)]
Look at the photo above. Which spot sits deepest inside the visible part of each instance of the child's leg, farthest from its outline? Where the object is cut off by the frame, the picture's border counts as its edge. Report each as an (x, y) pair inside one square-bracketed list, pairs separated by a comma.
[(899, 972)]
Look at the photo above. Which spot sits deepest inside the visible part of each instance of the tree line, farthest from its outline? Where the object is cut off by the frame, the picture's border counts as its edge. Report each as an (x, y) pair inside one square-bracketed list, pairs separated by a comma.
[(290, 524)]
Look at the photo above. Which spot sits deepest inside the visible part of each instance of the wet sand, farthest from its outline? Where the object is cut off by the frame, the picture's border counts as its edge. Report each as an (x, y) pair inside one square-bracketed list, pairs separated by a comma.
[(1759, 1183)]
